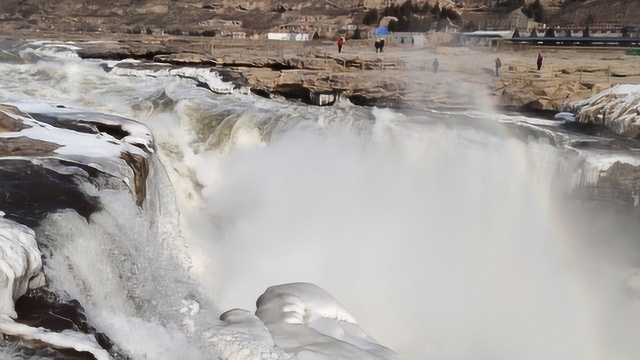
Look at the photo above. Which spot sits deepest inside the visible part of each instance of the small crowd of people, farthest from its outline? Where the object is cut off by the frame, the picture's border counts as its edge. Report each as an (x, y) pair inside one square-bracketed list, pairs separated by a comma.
[(379, 45)]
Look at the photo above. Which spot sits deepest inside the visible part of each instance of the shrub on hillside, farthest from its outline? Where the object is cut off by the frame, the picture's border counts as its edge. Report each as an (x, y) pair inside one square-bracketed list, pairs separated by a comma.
[(371, 18), (357, 34), (393, 26), (551, 32), (534, 11)]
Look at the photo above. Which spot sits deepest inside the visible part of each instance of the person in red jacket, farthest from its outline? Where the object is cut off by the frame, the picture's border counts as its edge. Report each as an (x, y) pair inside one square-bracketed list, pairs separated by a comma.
[(340, 43), (539, 61)]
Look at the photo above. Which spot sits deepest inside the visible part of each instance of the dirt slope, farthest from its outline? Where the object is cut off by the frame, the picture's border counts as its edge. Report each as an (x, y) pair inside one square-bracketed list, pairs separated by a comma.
[(119, 16)]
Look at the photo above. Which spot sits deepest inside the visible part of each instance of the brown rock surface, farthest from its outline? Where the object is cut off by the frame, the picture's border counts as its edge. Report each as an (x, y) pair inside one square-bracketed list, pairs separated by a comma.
[(20, 145), (9, 123), (568, 74), (400, 77)]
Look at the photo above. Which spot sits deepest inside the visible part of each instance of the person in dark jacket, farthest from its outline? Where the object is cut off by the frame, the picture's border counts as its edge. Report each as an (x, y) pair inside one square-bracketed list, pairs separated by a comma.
[(436, 65), (539, 61), (377, 45), (498, 66), (381, 45)]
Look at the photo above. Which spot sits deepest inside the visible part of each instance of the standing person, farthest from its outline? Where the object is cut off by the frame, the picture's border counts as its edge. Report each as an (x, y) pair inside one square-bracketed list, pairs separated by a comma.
[(381, 44), (498, 66), (436, 65), (377, 45), (539, 61), (340, 43)]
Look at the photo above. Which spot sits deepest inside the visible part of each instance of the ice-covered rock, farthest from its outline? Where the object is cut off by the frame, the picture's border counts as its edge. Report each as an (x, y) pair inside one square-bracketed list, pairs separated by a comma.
[(295, 321), (617, 108), (67, 339), (201, 75), (61, 135), (308, 323), (20, 264)]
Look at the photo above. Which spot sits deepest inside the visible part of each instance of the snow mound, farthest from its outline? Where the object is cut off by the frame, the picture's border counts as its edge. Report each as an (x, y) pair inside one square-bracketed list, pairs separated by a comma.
[(308, 323)]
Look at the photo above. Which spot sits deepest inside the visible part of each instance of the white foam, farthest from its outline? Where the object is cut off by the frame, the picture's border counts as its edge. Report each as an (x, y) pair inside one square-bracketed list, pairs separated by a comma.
[(53, 49), (149, 339)]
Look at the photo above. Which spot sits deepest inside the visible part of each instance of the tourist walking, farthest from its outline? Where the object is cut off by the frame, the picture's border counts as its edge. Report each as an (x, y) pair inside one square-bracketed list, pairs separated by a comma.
[(436, 65), (381, 45), (340, 43), (539, 61), (498, 66), (377, 45)]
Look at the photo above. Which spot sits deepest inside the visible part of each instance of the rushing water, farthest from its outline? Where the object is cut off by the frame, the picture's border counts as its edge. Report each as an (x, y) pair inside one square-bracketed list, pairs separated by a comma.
[(446, 236)]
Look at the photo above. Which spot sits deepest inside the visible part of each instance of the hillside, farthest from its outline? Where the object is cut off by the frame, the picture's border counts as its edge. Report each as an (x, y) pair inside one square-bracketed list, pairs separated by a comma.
[(598, 11), (327, 17)]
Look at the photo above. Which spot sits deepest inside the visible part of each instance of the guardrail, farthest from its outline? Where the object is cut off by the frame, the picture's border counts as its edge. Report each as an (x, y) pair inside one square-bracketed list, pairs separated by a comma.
[(577, 41)]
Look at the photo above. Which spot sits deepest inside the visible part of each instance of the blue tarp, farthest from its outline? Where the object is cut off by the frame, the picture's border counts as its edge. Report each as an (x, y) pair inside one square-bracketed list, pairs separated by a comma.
[(380, 31)]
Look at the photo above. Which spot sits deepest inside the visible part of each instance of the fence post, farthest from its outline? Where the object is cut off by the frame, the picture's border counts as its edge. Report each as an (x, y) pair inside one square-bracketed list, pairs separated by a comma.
[(580, 73)]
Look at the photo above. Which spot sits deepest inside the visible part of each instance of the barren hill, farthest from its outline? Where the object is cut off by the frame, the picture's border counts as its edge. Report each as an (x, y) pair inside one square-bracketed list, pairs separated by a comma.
[(258, 16)]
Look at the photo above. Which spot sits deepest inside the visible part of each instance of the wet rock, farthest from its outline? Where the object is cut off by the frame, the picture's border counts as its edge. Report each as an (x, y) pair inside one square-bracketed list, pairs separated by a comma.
[(31, 190), (9, 123), (42, 308), (24, 146)]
